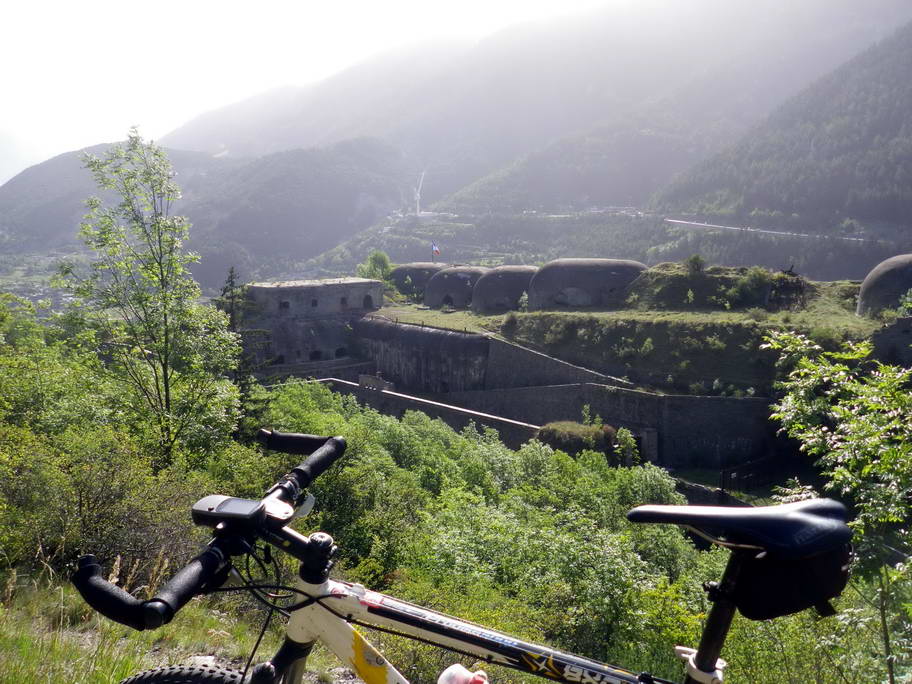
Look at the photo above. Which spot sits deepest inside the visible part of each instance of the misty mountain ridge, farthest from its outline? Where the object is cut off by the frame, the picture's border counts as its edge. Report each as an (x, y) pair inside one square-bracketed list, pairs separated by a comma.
[(595, 111), (837, 154), (462, 112), (624, 161)]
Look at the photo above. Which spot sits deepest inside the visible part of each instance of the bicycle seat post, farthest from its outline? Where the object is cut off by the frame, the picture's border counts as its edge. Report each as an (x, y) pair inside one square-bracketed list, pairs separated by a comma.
[(720, 617)]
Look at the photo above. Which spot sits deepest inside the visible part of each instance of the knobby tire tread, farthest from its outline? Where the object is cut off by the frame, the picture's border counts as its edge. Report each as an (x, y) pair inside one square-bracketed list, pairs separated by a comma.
[(183, 674)]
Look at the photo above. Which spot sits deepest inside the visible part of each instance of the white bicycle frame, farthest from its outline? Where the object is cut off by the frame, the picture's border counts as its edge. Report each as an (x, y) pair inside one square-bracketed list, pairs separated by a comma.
[(327, 619)]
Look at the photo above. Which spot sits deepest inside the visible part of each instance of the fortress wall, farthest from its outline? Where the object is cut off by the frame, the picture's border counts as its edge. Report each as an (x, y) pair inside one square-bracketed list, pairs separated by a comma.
[(482, 374), (422, 359), (513, 433), (350, 370), (537, 405), (716, 432), (510, 365), (675, 430)]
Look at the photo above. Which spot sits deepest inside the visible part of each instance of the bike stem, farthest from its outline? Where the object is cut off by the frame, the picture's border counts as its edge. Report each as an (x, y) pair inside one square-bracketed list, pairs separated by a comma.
[(719, 620)]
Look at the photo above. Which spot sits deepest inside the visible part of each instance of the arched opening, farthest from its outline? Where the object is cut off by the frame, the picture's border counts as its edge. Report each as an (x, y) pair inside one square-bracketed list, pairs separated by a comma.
[(316, 355), (344, 302), (447, 300), (284, 305), (341, 352), (368, 302), (313, 303)]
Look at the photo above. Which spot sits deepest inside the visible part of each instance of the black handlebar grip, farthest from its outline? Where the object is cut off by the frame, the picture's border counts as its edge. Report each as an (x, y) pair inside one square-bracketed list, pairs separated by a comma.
[(315, 464), (116, 604), (290, 442), (189, 581), (109, 599)]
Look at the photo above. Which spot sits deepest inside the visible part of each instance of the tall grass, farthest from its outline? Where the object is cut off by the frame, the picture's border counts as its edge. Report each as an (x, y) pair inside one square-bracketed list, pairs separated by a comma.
[(48, 634)]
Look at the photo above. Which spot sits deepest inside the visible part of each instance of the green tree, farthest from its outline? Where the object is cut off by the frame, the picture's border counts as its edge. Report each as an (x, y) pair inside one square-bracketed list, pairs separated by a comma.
[(377, 266), (854, 415), (695, 264), (171, 352)]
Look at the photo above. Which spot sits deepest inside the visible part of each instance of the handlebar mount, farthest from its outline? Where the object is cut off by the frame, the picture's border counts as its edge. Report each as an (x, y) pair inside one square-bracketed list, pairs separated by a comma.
[(230, 517)]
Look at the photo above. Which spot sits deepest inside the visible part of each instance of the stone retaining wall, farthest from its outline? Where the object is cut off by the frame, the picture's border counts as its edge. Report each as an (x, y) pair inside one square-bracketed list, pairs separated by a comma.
[(513, 433)]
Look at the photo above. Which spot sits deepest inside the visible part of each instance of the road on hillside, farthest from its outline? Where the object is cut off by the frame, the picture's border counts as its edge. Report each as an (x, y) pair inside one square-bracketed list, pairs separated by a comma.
[(748, 229)]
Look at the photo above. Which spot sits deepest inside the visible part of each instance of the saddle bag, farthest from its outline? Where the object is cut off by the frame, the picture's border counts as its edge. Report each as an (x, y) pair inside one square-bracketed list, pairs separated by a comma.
[(770, 587)]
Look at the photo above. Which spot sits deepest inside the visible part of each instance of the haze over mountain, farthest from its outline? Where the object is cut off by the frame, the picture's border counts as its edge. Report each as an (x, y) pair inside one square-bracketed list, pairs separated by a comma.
[(462, 112), (597, 110), (625, 159), (841, 151)]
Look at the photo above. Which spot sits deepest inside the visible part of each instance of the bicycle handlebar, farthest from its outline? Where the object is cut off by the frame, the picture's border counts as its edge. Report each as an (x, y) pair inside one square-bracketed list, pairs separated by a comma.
[(120, 606), (209, 569), (322, 453)]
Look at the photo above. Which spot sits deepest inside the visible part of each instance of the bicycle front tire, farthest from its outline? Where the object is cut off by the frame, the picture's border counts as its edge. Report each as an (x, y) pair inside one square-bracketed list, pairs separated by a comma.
[(181, 674)]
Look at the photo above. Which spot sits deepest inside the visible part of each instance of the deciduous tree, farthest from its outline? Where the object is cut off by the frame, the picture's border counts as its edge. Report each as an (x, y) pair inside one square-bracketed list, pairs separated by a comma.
[(170, 352), (854, 415)]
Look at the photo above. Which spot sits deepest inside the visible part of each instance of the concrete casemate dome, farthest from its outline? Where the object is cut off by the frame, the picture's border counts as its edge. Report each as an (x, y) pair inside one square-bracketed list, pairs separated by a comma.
[(883, 287), (453, 286), (501, 288), (582, 282), (417, 272)]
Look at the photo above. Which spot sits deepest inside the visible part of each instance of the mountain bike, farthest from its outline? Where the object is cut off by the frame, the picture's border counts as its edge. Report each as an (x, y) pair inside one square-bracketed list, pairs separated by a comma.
[(783, 559)]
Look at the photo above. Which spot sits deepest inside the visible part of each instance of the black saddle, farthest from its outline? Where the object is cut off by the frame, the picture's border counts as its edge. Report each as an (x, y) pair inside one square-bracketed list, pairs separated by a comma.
[(789, 531)]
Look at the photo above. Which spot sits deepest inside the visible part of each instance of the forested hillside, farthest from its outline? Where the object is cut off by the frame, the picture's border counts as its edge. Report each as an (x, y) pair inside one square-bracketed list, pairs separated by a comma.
[(625, 159), (838, 154), (534, 238), (532, 541), (588, 111), (255, 214)]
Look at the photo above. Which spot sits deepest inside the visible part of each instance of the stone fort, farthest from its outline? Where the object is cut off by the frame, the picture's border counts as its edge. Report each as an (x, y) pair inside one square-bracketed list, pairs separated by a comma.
[(331, 330)]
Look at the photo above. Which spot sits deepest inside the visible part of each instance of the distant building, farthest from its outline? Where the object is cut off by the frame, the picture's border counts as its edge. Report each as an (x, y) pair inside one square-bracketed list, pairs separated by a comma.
[(304, 321), (501, 288), (569, 283), (885, 285), (453, 286)]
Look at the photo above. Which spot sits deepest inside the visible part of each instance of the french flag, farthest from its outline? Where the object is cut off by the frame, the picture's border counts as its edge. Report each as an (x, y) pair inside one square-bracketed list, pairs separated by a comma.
[(435, 250)]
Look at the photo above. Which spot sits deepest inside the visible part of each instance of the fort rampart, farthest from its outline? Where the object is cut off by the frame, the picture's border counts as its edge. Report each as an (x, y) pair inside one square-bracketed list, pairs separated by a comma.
[(675, 430), (512, 432), (495, 377)]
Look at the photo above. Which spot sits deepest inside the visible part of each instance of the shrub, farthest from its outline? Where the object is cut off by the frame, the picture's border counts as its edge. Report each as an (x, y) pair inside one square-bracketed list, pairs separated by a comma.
[(574, 438), (694, 264)]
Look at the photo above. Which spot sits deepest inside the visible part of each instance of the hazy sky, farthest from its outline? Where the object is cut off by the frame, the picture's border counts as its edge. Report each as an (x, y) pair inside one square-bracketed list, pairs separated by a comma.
[(79, 73)]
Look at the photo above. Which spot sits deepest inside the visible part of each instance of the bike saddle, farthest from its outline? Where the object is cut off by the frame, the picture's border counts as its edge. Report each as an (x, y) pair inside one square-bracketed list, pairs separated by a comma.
[(794, 530)]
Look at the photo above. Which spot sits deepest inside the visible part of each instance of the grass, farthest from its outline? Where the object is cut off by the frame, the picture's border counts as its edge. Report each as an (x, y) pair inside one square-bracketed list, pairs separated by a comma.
[(49, 634), (461, 321)]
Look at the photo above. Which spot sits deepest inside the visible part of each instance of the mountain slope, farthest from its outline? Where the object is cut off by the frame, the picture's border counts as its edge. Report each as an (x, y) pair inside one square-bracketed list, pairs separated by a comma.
[(255, 214), (625, 160), (840, 150), (461, 113), (41, 207)]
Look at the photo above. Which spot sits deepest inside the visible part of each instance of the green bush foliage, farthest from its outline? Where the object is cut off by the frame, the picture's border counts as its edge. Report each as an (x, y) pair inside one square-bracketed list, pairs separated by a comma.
[(574, 438), (531, 541)]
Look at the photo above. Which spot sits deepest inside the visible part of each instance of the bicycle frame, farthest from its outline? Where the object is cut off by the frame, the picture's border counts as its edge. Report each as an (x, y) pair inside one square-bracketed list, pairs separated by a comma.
[(338, 604)]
